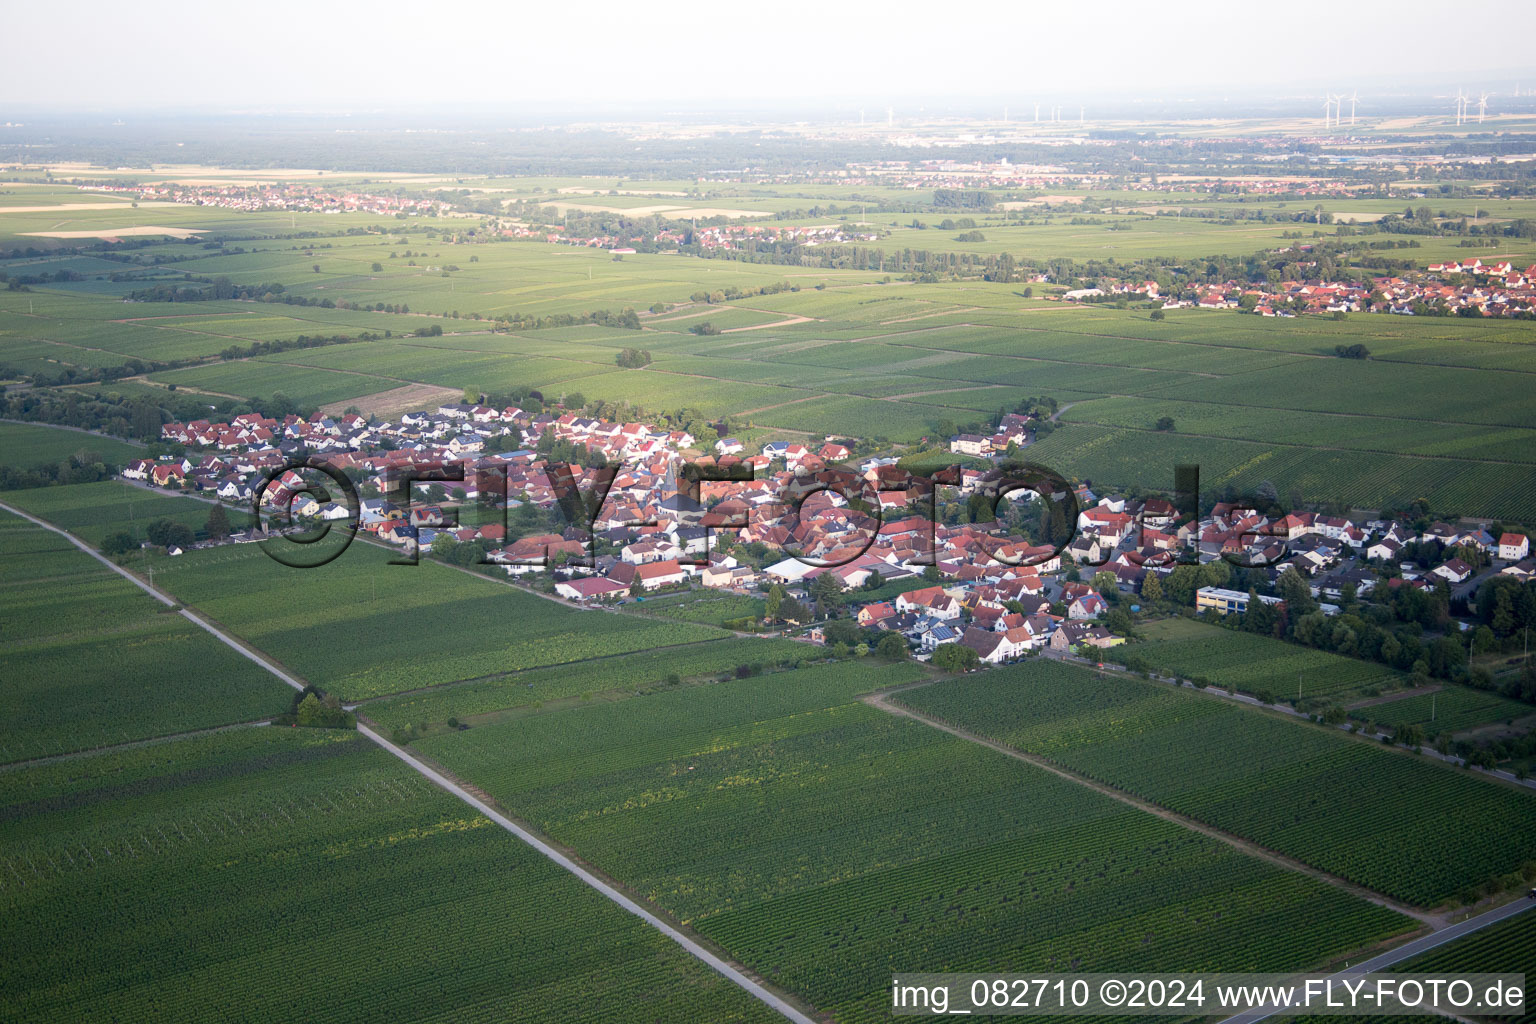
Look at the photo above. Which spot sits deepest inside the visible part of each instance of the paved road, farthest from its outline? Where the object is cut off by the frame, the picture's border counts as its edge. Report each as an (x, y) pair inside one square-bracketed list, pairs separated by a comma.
[(1405, 952), (731, 973)]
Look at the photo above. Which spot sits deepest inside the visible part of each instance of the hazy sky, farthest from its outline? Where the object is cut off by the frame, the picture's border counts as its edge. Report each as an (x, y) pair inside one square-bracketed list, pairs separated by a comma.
[(318, 55)]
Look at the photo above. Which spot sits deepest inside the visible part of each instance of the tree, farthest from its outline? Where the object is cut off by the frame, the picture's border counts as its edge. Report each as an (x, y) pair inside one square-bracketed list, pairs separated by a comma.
[(1158, 314), (1296, 593), (1151, 588), (1118, 621), (119, 543), (377, 267), (1105, 582), (842, 631), (168, 533), (310, 710), (773, 602), (793, 611), (217, 526), (892, 647), (827, 592), (955, 658), (636, 588), (1165, 423)]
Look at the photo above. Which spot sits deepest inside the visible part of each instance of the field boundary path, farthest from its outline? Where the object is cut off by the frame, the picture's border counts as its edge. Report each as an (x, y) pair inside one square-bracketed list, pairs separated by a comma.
[(1404, 952), (881, 701), (724, 968)]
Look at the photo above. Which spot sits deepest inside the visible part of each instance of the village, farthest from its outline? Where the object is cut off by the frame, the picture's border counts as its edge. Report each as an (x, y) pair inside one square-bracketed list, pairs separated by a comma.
[(882, 564), (1466, 288)]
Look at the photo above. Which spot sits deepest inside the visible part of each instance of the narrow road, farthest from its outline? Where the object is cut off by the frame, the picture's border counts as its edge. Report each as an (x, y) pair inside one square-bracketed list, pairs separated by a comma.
[(1404, 952), (731, 973)]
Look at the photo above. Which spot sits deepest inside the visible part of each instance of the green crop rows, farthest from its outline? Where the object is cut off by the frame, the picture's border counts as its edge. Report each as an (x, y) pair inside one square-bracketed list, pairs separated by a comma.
[(1252, 663), (825, 843), (1453, 708), (1388, 820), (365, 628), (265, 875), (1508, 947), (627, 672), (26, 446), (88, 659), (93, 512)]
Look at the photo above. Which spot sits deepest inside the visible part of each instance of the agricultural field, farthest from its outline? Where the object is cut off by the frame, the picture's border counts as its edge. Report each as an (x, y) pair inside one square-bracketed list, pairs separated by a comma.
[(1450, 709), (859, 841), (898, 361), (1507, 947), (279, 874), (27, 447), (612, 678), (709, 606), (1256, 664), (361, 627), (1385, 819), (95, 511), (88, 659)]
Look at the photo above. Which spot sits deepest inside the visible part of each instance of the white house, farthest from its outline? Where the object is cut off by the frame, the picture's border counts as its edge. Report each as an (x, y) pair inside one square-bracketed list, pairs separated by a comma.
[(1512, 546)]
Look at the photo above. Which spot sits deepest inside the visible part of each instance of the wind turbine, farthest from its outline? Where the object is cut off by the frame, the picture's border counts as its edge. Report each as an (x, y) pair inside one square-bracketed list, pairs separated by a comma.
[(1461, 106), (1327, 105), (1482, 106), (1354, 98)]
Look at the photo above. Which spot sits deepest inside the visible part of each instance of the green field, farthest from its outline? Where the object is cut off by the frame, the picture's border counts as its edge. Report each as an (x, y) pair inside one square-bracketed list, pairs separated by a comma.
[(708, 606), (1438, 411), (824, 843), (89, 659), (27, 446), (1451, 709), (364, 628), (95, 511), (601, 679), (1415, 830), (277, 874), (1507, 947), (1255, 664)]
